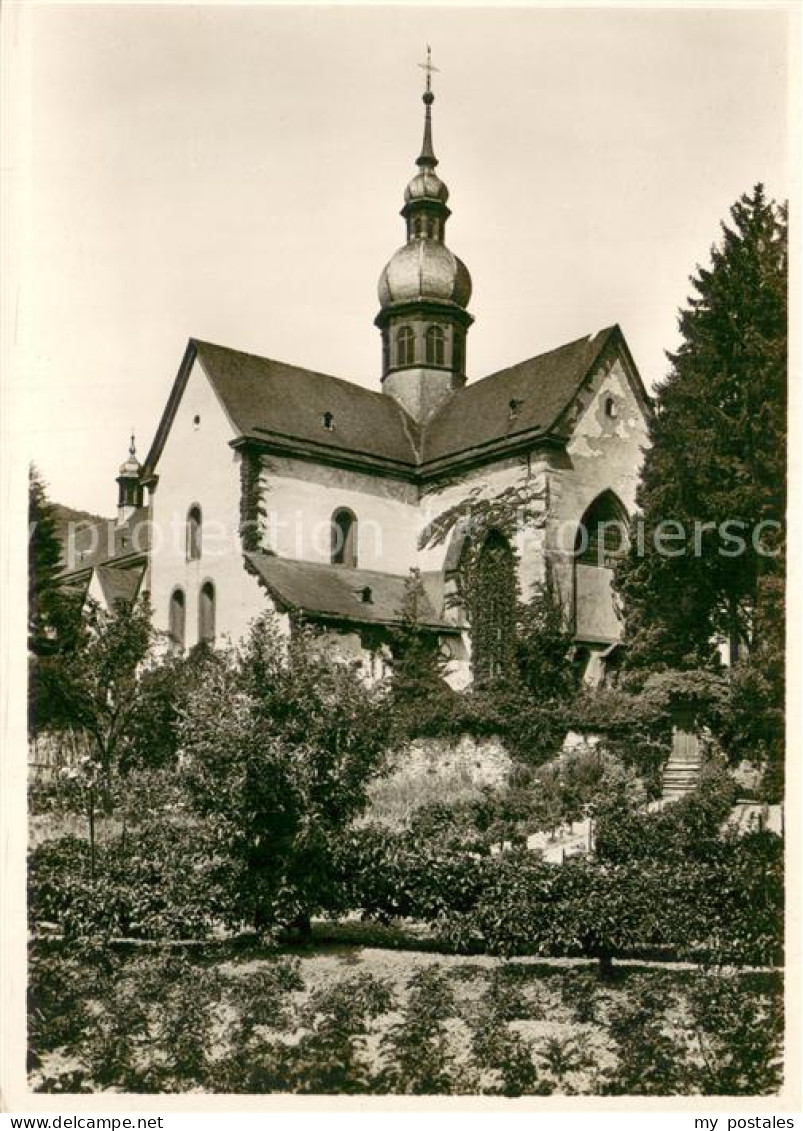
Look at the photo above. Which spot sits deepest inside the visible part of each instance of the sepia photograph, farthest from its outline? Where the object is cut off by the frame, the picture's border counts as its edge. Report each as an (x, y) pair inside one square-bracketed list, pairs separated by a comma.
[(399, 399)]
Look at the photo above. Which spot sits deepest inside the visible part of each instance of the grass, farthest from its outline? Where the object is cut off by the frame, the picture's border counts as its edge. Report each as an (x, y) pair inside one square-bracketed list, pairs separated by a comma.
[(393, 798)]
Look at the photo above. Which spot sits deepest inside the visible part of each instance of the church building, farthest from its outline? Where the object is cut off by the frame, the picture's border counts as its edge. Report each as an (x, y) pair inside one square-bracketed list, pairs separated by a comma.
[(270, 485)]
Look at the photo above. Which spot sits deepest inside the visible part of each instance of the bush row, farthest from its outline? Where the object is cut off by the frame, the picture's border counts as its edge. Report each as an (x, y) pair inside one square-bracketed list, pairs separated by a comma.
[(159, 882), (728, 908), (166, 881)]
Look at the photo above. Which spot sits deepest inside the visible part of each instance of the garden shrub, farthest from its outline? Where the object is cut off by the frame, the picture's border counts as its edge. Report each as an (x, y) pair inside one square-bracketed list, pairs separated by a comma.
[(497, 1049), (579, 991), (739, 1035), (651, 1059), (689, 828), (388, 876), (419, 1059), (328, 1058), (162, 881), (151, 1026)]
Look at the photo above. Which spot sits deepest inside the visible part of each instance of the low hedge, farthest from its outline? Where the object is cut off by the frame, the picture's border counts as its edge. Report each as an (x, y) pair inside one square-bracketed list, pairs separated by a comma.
[(727, 908), (159, 882)]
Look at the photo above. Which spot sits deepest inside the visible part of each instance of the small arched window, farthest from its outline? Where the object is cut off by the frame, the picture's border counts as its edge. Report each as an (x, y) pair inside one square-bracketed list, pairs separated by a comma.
[(344, 538), (206, 614), (177, 620), (405, 346), (194, 534), (435, 345)]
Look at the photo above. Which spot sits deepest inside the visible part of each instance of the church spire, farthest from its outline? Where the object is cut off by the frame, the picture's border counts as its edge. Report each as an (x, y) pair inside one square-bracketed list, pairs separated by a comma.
[(427, 158), (423, 293)]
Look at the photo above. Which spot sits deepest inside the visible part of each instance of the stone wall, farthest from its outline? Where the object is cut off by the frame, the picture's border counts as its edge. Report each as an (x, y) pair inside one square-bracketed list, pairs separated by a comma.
[(483, 761)]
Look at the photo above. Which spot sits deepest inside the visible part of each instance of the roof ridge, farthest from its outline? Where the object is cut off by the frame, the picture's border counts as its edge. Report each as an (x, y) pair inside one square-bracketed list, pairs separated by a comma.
[(602, 334), (201, 343)]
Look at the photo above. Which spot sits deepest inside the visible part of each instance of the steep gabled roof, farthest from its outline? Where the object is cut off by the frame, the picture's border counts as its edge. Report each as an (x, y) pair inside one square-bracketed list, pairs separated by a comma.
[(106, 546), (336, 592), (271, 401), (285, 407), (526, 399)]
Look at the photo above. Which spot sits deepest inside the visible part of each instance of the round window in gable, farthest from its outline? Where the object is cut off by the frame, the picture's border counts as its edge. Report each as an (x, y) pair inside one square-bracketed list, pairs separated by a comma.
[(196, 422)]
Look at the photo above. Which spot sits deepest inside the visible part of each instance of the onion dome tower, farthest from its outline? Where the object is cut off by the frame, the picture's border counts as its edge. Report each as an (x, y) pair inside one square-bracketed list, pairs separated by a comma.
[(423, 294), (131, 492)]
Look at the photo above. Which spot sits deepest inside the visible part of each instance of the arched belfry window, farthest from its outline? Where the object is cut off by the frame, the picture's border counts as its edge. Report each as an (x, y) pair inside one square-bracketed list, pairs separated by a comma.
[(405, 346), (493, 609), (206, 614), (602, 535), (344, 537), (435, 345), (194, 525), (177, 620)]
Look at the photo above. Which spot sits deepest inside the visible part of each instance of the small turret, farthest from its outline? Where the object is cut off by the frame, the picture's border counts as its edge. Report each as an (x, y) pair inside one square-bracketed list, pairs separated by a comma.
[(131, 492)]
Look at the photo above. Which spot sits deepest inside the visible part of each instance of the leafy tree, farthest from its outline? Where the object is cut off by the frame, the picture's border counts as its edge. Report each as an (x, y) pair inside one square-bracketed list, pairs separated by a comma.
[(717, 455), (280, 742), (153, 726), (97, 688)]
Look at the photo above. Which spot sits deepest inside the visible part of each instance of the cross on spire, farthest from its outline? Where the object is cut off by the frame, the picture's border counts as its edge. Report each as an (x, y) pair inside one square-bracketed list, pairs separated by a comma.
[(429, 68)]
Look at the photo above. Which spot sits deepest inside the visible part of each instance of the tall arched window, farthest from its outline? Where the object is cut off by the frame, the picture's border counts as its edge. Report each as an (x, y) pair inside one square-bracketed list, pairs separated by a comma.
[(435, 345), (493, 609), (603, 532), (405, 346), (194, 534), (177, 620), (344, 538), (206, 614), (602, 537)]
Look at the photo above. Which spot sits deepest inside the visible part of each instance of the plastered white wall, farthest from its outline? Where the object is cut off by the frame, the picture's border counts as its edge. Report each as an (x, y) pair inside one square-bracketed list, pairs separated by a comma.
[(198, 466)]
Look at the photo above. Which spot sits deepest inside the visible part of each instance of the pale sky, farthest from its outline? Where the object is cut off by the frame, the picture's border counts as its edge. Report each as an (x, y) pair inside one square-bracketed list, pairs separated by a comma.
[(235, 174)]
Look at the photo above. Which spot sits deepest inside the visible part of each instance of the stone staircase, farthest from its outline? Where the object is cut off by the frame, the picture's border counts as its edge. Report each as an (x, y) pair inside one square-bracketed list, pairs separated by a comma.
[(682, 770)]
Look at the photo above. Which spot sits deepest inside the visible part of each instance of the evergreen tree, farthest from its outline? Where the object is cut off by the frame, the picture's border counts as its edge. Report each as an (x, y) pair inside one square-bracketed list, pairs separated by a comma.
[(716, 464), (44, 558)]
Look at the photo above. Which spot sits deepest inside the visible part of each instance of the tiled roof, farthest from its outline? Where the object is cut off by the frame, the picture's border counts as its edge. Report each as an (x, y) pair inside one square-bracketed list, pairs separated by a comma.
[(120, 584), (288, 408), (526, 398), (93, 542), (272, 401), (268, 399), (337, 592)]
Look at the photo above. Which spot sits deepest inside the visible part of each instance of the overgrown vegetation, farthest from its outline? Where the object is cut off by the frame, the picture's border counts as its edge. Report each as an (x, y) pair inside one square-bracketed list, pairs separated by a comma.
[(225, 794)]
